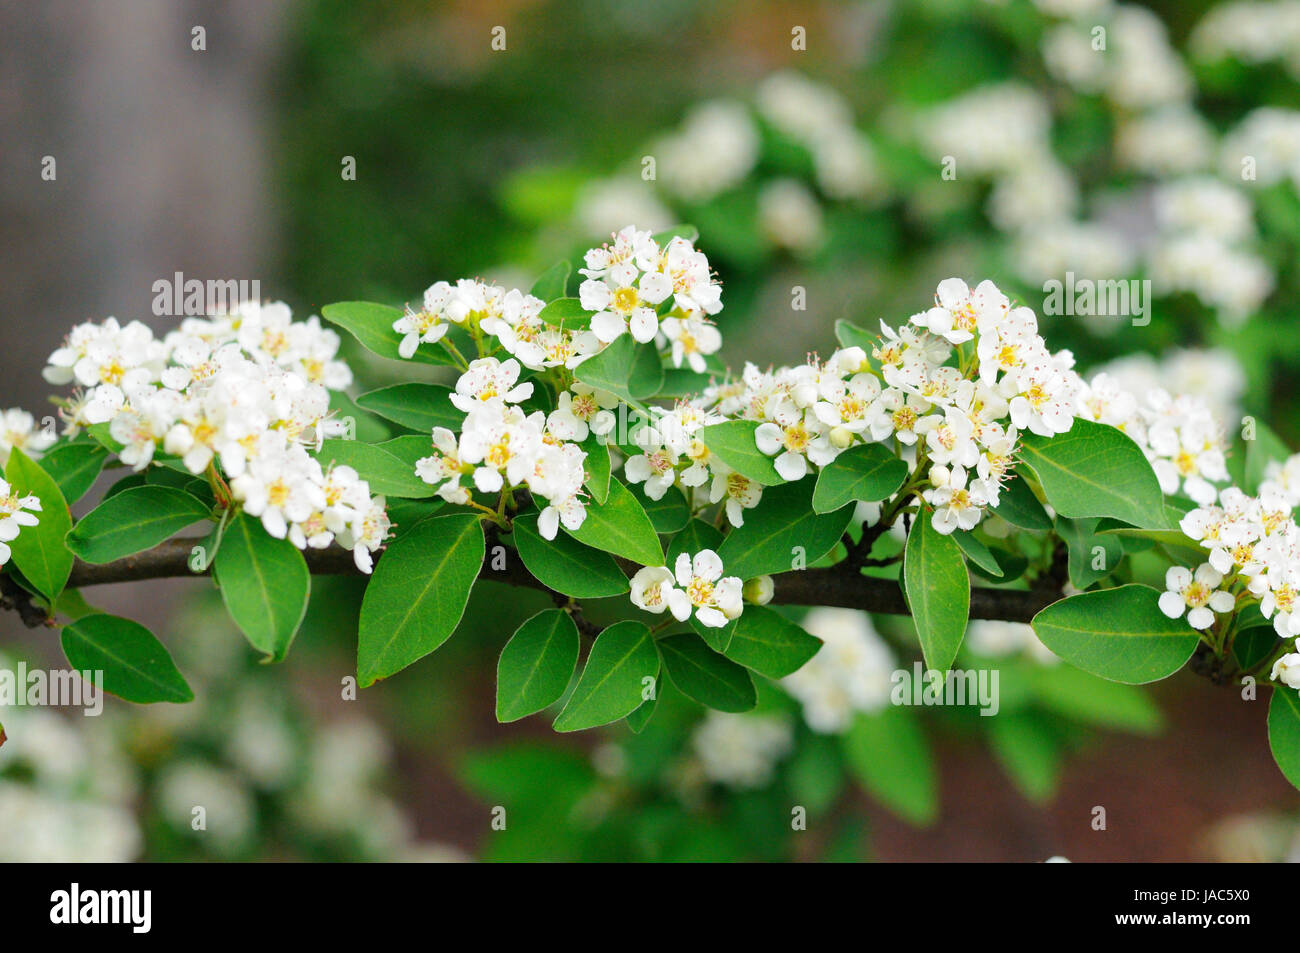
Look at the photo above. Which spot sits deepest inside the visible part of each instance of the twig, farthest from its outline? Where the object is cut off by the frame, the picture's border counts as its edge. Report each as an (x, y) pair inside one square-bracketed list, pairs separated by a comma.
[(841, 585)]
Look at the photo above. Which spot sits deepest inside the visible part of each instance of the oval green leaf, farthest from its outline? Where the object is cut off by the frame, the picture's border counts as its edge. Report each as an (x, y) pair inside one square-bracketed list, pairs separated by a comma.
[(620, 526), (888, 755), (40, 552), (136, 666), (734, 444), (1284, 731), (372, 325), (770, 644), (75, 466), (611, 685), (387, 474), (566, 565), (1094, 470), (782, 532), (706, 676), (536, 665), (134, 520), (414, 405), (938, 591), (867, 472), (1119, 634), (417, 595), (264, 583)]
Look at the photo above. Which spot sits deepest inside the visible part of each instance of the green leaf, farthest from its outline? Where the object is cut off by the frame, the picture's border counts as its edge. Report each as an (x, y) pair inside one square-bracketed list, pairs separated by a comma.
[(124, 484), (779, 530), (1019, 507), (1082, 540), (1029, 753), (706, 676), (850, 335), (136, 665), (101, 434), (404, 514), (553, 282), (536, 664), (1254, 643), (134, 520), (978, 553), (1284, 732), (414, 405), (409, 448), (1094, 470), (669, 513), (39, 551), (684, 382), (770, 644), (620, 526), (387, 474), (695, 536), (75, 467), (566, 312), (611, 684), (418, 593), (641, 717), (938, 591), (566, 565), (716, 637), (264, 583), (1119, 634), (1011, 566), (597, 467), (624, 369), (372, 325), (888, 755), (734, 444), (867, 472)]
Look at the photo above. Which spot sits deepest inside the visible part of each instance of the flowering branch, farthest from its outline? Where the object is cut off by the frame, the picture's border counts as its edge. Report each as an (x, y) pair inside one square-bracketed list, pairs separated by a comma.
[(840, 585)]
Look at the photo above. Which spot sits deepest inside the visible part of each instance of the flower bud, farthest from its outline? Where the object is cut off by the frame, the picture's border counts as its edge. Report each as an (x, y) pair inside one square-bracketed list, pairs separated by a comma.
[(759, 590), (841, 437), (939, 475)]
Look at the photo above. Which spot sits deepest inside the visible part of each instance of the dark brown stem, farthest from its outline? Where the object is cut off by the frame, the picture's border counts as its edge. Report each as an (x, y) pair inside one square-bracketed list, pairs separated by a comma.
[(840, 585)]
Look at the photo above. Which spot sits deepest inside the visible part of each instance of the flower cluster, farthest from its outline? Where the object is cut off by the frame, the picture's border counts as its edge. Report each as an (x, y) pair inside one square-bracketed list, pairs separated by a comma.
[(1179, 435), (714, 598), (502, 447), (959, 424), (248, 390), (661, 293), (630, 280), (1254, 542)]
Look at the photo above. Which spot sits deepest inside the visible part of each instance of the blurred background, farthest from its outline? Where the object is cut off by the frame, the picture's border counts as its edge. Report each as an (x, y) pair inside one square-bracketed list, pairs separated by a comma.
[(808, 143)]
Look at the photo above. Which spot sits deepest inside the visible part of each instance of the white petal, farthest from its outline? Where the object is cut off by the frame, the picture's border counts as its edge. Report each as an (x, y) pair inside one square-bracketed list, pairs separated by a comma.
[(708, 565), (1171, 604)]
